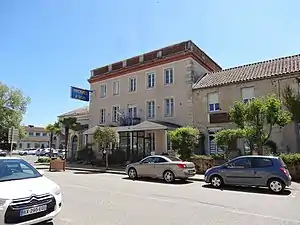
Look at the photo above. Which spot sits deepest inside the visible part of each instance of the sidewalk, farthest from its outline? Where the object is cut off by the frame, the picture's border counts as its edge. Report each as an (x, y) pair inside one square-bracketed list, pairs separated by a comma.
[(112, 170)]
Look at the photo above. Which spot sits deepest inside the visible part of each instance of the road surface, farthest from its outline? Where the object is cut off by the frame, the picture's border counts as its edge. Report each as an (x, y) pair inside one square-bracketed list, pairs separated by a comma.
[(96, 199)]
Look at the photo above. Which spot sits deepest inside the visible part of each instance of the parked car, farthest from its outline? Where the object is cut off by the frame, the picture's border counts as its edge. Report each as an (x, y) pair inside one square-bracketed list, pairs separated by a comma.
[(259, 171), (161, 167), (3, 153), (26, 196)]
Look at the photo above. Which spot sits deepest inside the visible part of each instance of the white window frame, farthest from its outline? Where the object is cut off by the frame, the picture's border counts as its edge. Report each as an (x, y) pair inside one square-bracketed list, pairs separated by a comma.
[(115, 118), (105, 94), (152, 80), (165, 75), (132, 106), (169, 114), (102, 116), (129, 84), (247, 97), (153, 111), (214, 103), (115, 93)]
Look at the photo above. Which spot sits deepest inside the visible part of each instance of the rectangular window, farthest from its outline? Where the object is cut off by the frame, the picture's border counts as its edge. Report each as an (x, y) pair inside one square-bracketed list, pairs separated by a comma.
[(151, 109), (168, 76), (20, 145), (213, 102), (247, 94), (30, 134), (132, 111), (169, 107), (28, 145), (152, 136), (37, 134), (150, 80), (132, 84), (115, 113), (103, 90), (116, 88), (45, 134), (102, 116)]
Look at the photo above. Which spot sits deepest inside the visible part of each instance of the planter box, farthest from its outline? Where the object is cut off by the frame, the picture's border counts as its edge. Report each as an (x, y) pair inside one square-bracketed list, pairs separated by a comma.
[(57, 165), (203, 164)]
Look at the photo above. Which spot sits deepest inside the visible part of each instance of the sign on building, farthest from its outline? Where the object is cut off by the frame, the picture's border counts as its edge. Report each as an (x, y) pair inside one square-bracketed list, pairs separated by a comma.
[(13, 135), (80, 94)]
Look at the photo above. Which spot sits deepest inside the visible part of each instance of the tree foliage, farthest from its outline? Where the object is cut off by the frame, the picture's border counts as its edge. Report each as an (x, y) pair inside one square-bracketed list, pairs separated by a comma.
[(13, 105), (184, 140), (69, 123), (225, 138), (257, 119), (53, 129), (105, 136)]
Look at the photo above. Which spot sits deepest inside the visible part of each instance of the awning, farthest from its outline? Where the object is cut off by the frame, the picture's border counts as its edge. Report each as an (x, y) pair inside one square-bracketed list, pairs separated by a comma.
[(143, 126)]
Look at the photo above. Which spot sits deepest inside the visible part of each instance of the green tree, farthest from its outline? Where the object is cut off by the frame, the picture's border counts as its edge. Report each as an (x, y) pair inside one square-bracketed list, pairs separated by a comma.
[(53, 129), (291, 100), (105, 136), (184, 140), (13, 105), (225, 139), (69, 123), (258, 117)]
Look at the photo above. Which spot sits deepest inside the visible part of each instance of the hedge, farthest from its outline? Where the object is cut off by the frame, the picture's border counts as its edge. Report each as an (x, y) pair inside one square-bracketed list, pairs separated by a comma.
[(43, 160)]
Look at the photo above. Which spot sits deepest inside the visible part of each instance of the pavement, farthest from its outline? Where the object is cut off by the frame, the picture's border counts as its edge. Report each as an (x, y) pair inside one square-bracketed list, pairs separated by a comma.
[(91, 198)]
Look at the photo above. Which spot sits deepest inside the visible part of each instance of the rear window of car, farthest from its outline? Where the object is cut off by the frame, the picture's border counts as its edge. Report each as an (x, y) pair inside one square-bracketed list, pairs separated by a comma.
[(261, 162), (173, 158)]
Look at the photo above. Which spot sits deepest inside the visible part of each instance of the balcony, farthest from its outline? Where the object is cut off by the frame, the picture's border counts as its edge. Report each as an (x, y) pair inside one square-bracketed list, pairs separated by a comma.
[(128, 121)]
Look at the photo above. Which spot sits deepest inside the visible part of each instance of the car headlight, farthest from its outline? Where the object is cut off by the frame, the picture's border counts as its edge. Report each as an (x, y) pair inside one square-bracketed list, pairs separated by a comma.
[(2, 202), (56, 190)]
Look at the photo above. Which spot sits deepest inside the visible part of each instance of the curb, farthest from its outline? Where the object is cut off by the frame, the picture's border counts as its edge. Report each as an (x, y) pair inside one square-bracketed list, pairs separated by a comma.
[(105, 171)]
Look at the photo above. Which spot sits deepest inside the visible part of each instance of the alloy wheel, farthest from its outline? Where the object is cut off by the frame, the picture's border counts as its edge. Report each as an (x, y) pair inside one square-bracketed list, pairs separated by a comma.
[(216, 181), (132, 173), (169, 176), (276, 186)]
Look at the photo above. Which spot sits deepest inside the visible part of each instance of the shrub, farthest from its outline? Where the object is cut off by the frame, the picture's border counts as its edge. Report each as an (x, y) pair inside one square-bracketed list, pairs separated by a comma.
[(43, 160), (291, 158)]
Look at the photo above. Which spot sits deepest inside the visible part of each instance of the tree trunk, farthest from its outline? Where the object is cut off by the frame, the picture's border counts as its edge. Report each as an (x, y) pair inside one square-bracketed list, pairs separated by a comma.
[(296, 127), (51, 140), (66, 141), (106, 160)]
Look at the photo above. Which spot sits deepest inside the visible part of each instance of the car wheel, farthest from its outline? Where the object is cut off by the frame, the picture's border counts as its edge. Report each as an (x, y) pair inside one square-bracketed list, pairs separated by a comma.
[(216, 181), (276, 185), (132, 173), (25, 154), (169, 176)]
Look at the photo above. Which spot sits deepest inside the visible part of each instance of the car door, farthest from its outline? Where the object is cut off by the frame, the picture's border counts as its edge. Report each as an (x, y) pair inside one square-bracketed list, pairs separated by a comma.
[(146, 167), (262, 167), (160, 165), (239, 172)]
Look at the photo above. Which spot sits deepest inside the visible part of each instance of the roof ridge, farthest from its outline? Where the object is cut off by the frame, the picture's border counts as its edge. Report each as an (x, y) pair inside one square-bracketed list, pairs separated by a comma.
[(256, 63)]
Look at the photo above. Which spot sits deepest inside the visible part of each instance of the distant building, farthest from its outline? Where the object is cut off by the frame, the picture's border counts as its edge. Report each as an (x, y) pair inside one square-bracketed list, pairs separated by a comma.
[(36, 137)]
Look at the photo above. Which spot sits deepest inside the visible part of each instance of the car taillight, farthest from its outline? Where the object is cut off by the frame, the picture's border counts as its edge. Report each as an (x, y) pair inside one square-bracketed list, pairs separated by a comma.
[(181, 166), (283, 170)]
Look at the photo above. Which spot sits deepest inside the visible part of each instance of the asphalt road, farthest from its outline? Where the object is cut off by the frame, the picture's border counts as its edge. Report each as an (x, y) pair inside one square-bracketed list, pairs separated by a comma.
[(96, 199)]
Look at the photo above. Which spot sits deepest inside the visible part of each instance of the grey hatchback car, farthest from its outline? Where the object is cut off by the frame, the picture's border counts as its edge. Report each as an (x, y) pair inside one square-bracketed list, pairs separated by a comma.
[(259, 171)]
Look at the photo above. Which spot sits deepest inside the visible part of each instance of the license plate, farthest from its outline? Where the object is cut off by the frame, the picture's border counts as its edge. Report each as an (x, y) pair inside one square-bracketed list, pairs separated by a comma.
[(33, 210)]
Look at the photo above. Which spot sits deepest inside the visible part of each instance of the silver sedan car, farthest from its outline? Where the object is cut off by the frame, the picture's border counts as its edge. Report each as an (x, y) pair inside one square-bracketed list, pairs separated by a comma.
[(161, 167)]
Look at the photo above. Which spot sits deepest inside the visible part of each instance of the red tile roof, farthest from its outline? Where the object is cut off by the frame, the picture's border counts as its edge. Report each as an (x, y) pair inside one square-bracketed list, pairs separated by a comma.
[(260, 70)]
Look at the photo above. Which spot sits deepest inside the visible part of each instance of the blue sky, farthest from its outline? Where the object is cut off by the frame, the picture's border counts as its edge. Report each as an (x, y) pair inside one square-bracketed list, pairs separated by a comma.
[(47, 46)]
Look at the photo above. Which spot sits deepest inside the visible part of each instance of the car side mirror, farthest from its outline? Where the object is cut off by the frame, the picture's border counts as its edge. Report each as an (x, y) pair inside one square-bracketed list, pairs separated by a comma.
[(42, 172)]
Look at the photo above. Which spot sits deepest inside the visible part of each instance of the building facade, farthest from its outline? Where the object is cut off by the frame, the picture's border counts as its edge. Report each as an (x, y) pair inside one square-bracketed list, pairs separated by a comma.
[(77, 140), (36, 137), (145, 96), (215, 93)]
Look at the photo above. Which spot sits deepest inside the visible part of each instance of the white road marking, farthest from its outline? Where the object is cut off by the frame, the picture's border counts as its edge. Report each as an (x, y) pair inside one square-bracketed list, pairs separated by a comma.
[(175, 201)]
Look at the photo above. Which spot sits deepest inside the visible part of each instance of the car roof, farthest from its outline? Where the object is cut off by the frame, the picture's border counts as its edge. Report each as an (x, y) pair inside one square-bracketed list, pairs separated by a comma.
[(257, 156), (9, 157)]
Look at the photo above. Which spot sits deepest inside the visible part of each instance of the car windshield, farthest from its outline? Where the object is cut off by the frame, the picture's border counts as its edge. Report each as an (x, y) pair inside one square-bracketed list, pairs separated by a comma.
[(16, 169)]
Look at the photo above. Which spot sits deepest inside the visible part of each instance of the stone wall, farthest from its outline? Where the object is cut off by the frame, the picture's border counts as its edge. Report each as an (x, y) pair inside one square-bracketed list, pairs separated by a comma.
[(294, 171)]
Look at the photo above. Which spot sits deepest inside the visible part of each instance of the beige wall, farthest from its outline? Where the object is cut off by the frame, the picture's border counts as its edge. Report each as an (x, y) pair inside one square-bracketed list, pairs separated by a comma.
[(180, 90), (230, 93)]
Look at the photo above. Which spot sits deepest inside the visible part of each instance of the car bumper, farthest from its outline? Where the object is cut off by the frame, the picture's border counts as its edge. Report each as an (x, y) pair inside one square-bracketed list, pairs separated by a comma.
[(49, 216), (186, 173)]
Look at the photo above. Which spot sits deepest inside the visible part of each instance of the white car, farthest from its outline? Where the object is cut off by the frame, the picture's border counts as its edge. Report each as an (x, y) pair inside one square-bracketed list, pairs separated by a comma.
[(26, 196)]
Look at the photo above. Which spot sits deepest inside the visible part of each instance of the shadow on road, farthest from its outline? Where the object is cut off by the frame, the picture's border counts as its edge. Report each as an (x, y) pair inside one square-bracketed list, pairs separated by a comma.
[(46, 223), (87, 172), (176, 182), (248, 189)]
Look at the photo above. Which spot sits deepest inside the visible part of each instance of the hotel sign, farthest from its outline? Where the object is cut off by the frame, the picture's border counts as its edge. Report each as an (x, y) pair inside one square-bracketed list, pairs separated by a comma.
[(80, 94)]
